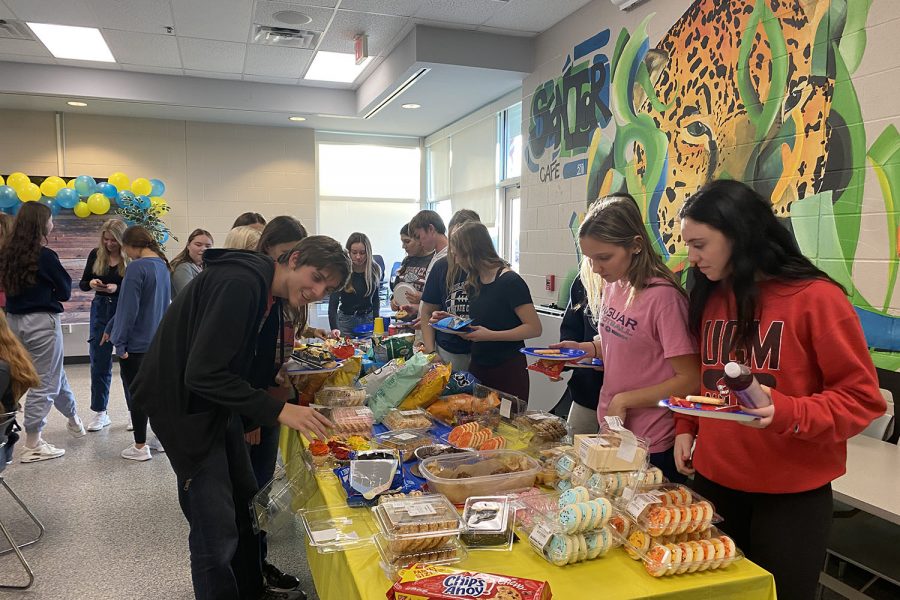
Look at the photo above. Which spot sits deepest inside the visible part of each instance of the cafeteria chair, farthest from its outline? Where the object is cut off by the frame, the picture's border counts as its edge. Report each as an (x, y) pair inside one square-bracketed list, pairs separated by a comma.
[(5, 420)]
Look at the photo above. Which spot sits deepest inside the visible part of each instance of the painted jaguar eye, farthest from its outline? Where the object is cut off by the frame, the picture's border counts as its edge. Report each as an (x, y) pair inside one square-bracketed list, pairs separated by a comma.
[(697, 129)]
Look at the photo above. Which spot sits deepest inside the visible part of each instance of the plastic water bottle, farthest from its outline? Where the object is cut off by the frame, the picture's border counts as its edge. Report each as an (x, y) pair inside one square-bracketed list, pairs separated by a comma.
[(744, 386)]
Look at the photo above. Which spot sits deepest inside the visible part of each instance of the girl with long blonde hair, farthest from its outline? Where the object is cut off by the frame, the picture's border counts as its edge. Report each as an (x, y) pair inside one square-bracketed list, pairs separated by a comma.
[(641, 313), (103, 273), (359, 302), (17, 376)]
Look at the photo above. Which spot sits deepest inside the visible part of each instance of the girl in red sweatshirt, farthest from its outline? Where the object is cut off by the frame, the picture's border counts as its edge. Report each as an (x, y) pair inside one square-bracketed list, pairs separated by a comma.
[(757, 300)]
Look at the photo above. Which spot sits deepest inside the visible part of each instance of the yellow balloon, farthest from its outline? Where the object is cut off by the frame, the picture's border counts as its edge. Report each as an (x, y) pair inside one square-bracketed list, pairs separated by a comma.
[(2, 181), (71, 184), (141, 187), (29, 193), (97, 204), (120, 180), (17, 180), (51, 185), (81, 210)]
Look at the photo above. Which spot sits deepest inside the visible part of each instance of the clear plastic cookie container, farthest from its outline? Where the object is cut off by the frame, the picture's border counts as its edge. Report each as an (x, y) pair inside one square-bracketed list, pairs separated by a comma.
[(668, 509), (711, 551), (341, 396), (391, 562), (408, 419), (482, 473), (487, 523), (416, 524)]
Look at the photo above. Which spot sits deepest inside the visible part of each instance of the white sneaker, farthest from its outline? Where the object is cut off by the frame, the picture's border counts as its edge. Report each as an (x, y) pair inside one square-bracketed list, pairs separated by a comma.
[(43, 451), (154, 444), (76, 428), (101, 419), (132, 452), (130, 426)]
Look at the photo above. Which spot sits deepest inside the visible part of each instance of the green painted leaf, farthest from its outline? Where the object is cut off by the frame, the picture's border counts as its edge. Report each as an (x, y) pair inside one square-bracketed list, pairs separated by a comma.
[(884, 156)]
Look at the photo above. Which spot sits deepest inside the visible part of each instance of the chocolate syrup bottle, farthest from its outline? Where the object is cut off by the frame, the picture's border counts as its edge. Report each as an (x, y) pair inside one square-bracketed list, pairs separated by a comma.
[(744, 386)]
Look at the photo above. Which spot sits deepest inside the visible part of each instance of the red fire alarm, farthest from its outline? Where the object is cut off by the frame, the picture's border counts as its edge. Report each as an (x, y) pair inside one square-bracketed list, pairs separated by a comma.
[(361, 47), (550, 283)]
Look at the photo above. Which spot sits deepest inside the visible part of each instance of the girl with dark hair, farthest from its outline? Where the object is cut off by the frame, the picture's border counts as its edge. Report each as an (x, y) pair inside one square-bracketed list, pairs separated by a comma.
[(103, 273), (189, 262), (502, 310), (6, 223), (359, 302), (251, 219), (36, 285), (145, 295), (757, 300), (647, 349)]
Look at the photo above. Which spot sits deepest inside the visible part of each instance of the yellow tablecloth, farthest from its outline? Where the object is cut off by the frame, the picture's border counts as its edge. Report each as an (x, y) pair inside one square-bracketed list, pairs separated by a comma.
[(355, 574)]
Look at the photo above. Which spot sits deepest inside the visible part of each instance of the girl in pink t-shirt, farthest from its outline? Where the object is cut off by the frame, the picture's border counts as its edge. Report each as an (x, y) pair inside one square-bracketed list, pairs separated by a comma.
[(644, 340)]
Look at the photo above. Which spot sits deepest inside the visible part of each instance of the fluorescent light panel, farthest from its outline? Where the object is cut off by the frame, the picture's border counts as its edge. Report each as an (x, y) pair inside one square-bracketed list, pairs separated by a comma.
[(335, 66), (79, 43)]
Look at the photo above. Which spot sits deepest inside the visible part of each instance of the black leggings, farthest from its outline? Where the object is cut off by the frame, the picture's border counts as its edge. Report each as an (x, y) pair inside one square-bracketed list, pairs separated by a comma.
[(129, 368), (786, 534), (510, 376)]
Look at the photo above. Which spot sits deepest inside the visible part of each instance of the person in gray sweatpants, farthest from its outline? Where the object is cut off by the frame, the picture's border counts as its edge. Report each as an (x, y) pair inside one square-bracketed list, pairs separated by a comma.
[(36, 285)]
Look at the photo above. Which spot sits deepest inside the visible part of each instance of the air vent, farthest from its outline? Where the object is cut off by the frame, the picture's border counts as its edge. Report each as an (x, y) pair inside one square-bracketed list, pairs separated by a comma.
[(15, 30), (284, 36)]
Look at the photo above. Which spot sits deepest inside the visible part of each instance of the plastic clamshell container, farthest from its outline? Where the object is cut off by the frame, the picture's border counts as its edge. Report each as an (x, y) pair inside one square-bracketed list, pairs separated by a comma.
[(569, 512), (408, 419), (485, 405), (542, 427), (688, 553), (391, 562), (417, 523), (474, 436), (612, 450), (404, 441), (337, 529), (341, 396), (483, 473), (352, 420), (614, 484), (668, 509), (487, 523)]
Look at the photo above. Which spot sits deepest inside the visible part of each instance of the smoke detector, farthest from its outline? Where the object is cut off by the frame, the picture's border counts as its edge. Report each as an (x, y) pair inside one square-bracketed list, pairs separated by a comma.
[(284, 36)]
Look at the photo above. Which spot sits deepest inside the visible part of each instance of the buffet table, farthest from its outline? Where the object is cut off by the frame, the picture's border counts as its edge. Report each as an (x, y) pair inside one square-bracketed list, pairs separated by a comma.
[(356, 574)]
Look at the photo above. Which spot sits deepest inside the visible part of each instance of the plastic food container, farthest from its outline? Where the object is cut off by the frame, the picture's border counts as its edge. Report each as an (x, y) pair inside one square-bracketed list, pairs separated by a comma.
[(481, 473), (341, 396), (337, 529), (407, 419), (543, 427), (687, 553), (404, 441), (612, 450), (352, 420), (485, 405), (474, 436), (416, 524), (391, 562), (669, 509), (570, 512), (487, 523)]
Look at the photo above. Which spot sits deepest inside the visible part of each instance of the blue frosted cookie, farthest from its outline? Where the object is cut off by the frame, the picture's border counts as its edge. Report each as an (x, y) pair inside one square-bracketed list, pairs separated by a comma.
[(581, 552), (563, 485), (593, 515), (560, 549), (565, 465), (573, 496), (571, 518)]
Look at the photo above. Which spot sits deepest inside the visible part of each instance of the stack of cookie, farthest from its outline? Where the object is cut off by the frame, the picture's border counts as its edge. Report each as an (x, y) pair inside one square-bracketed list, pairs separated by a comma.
[(412, 525), (572, 472)]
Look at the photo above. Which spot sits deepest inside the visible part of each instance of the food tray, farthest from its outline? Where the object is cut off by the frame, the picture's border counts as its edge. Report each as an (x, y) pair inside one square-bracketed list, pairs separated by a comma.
[(341, 396), (415, 524), (569, 512), (474, 436), (543, 427), (709, 551), (404, 441), (669, 509), (408, 419), (487, 523), (559, 548), (485, 405), (338, 528), (391, 562), (352, 420), (487, 472)]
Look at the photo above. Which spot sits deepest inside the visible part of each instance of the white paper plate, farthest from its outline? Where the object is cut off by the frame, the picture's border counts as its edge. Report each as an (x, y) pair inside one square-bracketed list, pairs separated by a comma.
[(724, 415), (400, 293)]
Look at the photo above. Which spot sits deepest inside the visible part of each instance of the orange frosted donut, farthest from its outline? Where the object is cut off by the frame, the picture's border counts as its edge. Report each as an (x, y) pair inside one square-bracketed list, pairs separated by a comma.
[(674, 520), (687, 557), (709, 554), (719, 547), (658, 520), (658, 560)]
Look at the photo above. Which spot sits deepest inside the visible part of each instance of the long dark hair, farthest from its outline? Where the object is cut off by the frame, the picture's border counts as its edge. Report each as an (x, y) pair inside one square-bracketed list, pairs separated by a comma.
[(184, 256), (761, 246), (280, 230), (21, 251), (138, 237)]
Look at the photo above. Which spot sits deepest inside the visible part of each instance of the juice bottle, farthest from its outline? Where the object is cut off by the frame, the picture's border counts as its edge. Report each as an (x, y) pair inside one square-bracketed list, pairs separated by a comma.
[(744, 386)]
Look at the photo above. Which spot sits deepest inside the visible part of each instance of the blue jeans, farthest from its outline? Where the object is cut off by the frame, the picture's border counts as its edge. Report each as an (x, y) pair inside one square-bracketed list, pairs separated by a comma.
[(102, 310), (346, 323)]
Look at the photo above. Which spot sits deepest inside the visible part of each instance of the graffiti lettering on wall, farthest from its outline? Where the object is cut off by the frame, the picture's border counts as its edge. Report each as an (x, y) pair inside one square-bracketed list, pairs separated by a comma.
[(756, 90)]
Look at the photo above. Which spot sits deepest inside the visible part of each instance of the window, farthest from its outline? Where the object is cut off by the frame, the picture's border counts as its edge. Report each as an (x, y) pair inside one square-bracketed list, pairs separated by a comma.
[(510, 136)]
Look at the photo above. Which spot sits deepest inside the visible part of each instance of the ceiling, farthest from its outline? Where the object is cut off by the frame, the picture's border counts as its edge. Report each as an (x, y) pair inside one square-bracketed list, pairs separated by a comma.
[(475, 51)]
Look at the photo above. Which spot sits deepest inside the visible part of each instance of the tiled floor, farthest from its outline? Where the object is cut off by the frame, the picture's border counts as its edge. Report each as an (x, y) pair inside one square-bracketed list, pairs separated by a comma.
[(114, 528)]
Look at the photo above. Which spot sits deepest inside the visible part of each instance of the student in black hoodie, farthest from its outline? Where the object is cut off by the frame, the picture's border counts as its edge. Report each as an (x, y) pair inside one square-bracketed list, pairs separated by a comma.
[(194, 385)]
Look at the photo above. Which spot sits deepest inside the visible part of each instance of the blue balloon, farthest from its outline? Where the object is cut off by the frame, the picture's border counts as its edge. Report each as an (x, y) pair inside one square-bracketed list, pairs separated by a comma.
[(143, 202), (85, 186), (125, 198), (108, 190), (49, 203), (14, 209), (165, 237), (67, 198), (158, 188), (8, 197)]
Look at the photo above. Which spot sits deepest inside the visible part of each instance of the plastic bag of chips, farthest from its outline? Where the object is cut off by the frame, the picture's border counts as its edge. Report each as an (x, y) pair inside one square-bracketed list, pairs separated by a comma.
[(461, 382), (398, 385), (550, 368), (347, 374), (428, 389), (372, 381)]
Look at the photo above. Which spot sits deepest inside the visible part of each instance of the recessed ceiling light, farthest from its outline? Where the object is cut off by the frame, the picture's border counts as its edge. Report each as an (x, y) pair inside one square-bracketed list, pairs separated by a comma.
[(335, 66), (296, 118), (80, 43), (75, 103), (411, 105)]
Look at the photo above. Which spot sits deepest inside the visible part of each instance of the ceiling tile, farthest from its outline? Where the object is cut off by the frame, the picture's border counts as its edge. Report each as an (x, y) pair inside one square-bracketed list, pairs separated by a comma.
[(71, 12), (468, 12), (154, 70), (381, 31), (143, 48), (533, 15), (229, 21), (90, 64), (24, 47), (6, 13), (210, 55), (320, 16), (400, 8), (278, 80), (299, 4), (22, 58), (211, 74), (148, 16), (274, 61)]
